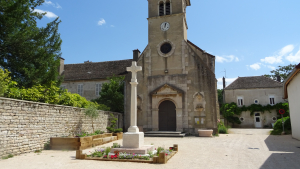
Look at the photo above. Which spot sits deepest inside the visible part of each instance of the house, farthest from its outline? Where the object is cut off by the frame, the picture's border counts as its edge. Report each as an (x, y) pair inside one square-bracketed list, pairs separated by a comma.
[(292, 93), (255, 90), (87, 78)]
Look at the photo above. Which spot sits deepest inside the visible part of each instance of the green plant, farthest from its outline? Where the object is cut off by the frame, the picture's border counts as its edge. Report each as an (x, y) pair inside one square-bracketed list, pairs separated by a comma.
[(113, 124), (159, 149), (37, 151), (7, 157), (91, 111), (277, 130), (107, 150), (222, 128), (47, 146), (116, 145), (150, 154), (99, 132)]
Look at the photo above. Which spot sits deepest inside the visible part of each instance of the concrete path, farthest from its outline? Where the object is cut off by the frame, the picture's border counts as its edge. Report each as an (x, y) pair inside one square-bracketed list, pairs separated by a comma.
[(244, 148)]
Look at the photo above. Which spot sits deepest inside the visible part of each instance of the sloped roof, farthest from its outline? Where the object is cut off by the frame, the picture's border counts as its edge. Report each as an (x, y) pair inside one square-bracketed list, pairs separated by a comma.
[(253, 82), (191, 43), (289, 79), (95, 70)]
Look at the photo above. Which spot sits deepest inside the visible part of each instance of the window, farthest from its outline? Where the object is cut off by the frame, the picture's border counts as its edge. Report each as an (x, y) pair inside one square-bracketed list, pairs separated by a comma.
[(240, 101), (80, 89), (168, 8), (161, 9), (272, 100), (274, 118), (242, 119), (98, 88), (256, 101)]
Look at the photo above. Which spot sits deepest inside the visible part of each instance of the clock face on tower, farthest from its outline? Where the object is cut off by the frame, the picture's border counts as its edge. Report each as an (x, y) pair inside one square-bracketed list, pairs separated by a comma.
[(165, 26)]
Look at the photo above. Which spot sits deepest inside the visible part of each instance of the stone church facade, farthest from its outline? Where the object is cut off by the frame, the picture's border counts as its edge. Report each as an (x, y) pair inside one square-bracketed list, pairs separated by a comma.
[(177, 88)]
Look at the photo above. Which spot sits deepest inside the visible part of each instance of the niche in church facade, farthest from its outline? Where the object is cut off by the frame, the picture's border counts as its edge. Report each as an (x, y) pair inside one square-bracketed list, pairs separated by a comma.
[(199, 103)]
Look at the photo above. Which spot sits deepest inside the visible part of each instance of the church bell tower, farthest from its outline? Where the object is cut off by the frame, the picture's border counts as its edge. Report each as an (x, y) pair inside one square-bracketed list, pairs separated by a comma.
[(167, 28)]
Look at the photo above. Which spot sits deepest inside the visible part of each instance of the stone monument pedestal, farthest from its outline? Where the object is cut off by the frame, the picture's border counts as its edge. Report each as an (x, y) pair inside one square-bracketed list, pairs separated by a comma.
[(133, 140)]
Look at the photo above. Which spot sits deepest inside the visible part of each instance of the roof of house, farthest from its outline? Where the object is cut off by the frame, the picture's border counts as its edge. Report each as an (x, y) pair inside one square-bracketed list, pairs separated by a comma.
[(95, 70), (253, 82), (289, 79)]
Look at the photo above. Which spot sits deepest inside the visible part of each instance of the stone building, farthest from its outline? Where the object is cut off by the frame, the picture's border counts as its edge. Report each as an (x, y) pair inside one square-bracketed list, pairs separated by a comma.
[(177, 88), (292, 93), (87, 78), (255, 90)]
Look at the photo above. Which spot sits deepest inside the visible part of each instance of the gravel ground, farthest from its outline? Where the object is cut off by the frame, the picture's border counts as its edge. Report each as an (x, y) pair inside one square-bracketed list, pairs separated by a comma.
[(243, 148)]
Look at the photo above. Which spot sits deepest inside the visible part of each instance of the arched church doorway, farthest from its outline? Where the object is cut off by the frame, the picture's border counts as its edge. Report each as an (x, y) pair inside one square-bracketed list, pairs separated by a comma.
[(167, 116)]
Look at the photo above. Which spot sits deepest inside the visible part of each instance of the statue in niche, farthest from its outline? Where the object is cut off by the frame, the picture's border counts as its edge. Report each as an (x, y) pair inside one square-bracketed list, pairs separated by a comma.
[(199, 102)]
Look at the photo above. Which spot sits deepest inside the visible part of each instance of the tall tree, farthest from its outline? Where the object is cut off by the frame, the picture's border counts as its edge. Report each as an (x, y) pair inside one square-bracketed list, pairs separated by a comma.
[(30, 53), (112, 94), (282, 71)]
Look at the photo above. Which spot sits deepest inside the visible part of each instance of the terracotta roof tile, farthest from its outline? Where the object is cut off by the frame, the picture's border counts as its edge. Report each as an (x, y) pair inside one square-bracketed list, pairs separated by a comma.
[(253, 82), (95, 70)]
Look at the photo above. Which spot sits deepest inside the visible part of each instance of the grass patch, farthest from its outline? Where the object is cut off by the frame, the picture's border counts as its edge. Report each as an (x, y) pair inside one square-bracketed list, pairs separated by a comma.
[(37, 151), (278, 132), (7, 157)]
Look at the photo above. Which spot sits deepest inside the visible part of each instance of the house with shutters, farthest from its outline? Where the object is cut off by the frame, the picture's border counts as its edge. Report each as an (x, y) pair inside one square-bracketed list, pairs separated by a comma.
[(255, 90), (87, 78)]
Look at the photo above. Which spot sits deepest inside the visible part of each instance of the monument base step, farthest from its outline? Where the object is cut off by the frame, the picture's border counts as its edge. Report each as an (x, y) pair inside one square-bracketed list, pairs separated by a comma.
[(142, 150), (164, 134)]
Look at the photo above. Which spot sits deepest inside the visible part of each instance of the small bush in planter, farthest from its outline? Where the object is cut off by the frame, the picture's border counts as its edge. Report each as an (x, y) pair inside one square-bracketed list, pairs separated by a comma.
[(113, 124)]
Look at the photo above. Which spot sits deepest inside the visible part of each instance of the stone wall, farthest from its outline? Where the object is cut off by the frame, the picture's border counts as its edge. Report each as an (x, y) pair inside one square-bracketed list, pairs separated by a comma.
[(26, 126)]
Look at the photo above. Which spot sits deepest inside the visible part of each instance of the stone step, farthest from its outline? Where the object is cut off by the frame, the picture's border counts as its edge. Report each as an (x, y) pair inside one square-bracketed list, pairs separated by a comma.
[(164, 135), (163, 132)]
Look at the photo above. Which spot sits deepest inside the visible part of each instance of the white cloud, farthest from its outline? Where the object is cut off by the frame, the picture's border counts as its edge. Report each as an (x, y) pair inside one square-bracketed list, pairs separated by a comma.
[(255, 66), (229, 58), (48, 14), (285, 50), (54, 5), (294, 58), (277, 58), (101, 22), (228, 81), (271, 67)]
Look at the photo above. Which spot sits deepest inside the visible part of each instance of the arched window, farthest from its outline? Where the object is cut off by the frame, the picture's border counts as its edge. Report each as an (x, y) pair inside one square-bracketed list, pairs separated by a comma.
[(168, 8), (161, 9)]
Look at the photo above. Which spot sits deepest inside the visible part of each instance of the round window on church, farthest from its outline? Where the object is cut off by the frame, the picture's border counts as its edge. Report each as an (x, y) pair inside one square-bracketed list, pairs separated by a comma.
[(166, 48)]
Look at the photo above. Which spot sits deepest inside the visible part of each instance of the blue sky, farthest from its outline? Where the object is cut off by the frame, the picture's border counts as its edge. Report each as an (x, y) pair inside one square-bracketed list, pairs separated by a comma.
[(248, 38)]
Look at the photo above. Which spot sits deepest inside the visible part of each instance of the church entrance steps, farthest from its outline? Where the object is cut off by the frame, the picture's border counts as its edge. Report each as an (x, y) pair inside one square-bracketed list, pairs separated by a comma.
[(164, 134)]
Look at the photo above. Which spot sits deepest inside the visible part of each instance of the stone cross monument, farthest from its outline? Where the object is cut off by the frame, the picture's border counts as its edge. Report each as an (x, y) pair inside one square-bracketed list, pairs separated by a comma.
[(133, 110), (133, 138)]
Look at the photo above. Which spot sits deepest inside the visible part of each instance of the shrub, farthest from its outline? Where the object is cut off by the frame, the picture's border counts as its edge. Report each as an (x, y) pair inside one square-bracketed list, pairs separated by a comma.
[(222, 128), (113, 124), (46, 94), (278, 126)]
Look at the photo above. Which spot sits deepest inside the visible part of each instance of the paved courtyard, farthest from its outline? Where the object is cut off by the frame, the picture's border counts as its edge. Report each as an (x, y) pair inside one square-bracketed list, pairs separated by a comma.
[(243, 148)]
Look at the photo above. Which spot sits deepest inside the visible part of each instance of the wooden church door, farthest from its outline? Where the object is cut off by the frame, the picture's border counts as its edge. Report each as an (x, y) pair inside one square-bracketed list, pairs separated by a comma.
[(167, 116)]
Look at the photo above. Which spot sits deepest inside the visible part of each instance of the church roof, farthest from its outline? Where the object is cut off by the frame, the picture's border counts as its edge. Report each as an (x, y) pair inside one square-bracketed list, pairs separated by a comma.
[(200, 48), (253, 82), (95, 70)]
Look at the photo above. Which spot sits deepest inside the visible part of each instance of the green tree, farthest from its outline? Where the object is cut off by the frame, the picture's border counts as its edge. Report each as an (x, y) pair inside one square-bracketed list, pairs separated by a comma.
[(92, 112), (112, 94), (220, 96), (282, 71), (229, 111), (29, 52)]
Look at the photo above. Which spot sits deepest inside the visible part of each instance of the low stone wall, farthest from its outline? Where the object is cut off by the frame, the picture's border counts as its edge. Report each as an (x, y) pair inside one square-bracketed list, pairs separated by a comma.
[(26, 126)]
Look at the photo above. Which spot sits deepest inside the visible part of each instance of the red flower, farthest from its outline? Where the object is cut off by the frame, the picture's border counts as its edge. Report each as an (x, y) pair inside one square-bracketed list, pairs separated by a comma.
[(166, 154), (171, 148)]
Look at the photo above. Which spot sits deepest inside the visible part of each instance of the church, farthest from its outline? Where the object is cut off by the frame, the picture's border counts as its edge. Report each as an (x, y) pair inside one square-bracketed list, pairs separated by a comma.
[(177, 88)]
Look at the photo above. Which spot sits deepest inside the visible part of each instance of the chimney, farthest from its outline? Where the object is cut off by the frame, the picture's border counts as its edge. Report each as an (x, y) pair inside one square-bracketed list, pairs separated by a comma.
[(61, 67), (136, 55), (224, 83), (278, 78)]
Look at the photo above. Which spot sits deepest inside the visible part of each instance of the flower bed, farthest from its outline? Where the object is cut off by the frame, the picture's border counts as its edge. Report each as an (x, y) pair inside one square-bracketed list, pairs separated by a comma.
[(160, 156), (80, 143)]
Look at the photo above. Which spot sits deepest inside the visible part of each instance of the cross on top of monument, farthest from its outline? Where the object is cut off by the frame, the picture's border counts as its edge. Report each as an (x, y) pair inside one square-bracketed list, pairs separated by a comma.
[(134, 69)]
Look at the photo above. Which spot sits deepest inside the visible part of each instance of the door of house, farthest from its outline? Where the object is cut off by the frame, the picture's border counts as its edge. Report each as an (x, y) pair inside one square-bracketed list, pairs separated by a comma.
[(167, 116), (257, 120)]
